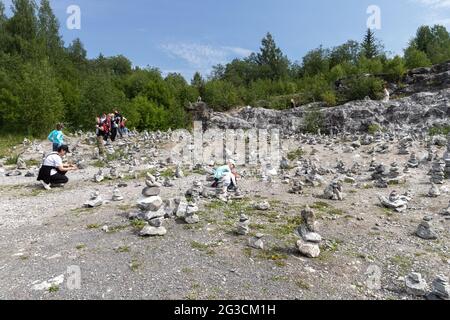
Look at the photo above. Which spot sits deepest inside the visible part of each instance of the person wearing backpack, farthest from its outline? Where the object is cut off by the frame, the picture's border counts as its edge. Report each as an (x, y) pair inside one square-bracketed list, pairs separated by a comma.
[(56, 137)]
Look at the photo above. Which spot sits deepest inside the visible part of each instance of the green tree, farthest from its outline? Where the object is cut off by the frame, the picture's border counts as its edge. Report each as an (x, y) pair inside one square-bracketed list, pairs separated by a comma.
[(273, 63), (433, 41), (371, 47), (221, 95), (349, 52), (199, 83), (77, 52), (395, 68), (22, 28), (415, 58), (316, 62), (41, 105), (48, 30)]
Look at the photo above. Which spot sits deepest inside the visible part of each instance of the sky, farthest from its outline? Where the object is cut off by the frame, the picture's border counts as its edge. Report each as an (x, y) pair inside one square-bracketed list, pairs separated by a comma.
[(186, 36)]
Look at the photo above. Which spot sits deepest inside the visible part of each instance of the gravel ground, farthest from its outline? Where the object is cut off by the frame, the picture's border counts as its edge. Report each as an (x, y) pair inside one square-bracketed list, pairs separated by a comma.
[(42, 234)]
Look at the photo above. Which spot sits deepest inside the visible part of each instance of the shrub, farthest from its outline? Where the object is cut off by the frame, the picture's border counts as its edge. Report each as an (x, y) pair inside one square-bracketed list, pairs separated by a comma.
[(314, 121), (329, 97), (360, 87)]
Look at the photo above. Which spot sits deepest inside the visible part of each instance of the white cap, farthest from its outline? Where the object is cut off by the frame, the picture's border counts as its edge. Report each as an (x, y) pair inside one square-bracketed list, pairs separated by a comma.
[(232, 162)]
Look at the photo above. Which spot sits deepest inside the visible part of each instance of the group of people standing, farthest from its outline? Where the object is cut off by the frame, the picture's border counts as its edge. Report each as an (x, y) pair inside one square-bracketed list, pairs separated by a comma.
[(108, 126)]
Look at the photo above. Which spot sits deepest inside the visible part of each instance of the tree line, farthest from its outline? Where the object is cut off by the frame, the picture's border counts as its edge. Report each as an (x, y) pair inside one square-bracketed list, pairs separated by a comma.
[(44, 82)]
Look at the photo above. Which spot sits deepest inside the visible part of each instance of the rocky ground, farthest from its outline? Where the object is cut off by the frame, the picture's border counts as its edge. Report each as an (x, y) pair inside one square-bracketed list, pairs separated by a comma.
[(367, 250)]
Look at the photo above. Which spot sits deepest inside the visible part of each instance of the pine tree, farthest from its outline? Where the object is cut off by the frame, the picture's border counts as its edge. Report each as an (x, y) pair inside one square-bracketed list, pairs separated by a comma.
[(23, 23), (48, 29), (77, 52), (2, 14), (274, 65), (21, 30), (370, 46), (3, 20), (198, 82)]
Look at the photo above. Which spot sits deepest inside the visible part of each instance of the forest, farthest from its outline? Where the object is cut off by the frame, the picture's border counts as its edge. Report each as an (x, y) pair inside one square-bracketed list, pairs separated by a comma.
[(43, 81)]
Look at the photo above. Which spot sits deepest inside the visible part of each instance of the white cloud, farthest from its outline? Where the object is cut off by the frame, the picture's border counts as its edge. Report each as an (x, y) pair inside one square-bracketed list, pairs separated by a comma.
[(436, 11), (435, 4), (202, 57)]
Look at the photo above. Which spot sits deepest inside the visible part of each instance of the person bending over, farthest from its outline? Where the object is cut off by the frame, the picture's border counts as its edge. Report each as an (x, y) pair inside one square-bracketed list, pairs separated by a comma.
[(53, 172), (227, 174)]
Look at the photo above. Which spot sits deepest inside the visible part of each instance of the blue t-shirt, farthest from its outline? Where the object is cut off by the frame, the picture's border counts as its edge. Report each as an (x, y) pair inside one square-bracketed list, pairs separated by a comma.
[(218, 174), (56, 137)]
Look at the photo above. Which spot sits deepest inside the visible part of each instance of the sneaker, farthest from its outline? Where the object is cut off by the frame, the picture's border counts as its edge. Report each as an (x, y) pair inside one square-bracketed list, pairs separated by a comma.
[(46, 186)]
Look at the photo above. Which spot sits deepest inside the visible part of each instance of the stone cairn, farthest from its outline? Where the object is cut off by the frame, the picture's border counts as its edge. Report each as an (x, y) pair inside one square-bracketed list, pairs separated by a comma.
[(416, 285), (434, 191), (117, 195), (256, 242), (151, 209), (21, 164), (395, 177), (441, 288), (94, 201), (430, 153), (99, 176), (308, 245), (395, 201), (446, 212), (403, 147), (437, 172), (296, 187), (243, 225), (380, 176), (447, 159), (413, 162), (425, 230), (334, 191), (186, 211)]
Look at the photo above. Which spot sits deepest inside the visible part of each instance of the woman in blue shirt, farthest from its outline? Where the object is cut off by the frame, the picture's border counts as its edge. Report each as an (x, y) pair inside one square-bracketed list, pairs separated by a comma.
[(57, 137)]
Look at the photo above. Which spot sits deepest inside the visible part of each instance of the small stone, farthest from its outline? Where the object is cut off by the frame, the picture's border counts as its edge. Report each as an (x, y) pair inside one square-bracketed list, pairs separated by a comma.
[(150, 203), (153, 231), (309, 250), (262, 206), (151, 191), (441, 287), (415, 285), (425, 231), (256, 242)]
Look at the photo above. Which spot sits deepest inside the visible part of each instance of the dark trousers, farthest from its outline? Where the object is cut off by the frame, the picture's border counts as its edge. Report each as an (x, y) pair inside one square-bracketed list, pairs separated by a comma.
[(113, 134), (55, 147), (59, 178)]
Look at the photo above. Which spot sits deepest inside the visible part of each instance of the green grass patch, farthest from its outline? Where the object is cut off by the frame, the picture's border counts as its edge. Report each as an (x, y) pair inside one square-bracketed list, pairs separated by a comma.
[(302, 284), (439, 130), (203, 247), (80, 246), (32, 163), (12, 160), (138, 224), (135, 265), (296, 154), (403, 262), (123, 249), (53, 289), (93, 226)]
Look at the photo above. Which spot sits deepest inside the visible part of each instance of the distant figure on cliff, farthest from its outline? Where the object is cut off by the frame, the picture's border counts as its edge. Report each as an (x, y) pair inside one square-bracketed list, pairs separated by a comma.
[(387, 95), (293, 104)]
